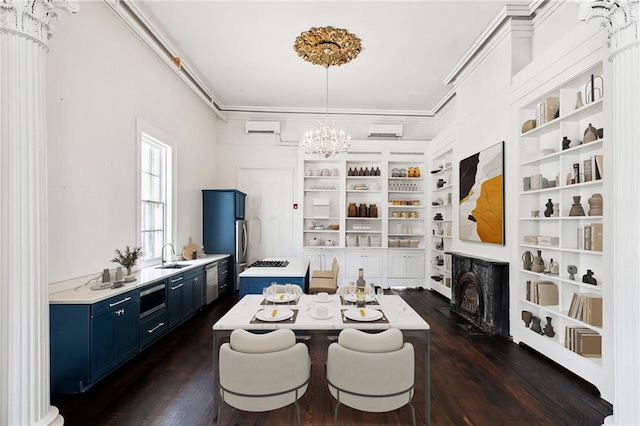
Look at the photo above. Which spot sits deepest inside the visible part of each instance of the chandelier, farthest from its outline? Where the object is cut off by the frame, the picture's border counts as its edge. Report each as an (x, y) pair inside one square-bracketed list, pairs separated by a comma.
[(327, 46)]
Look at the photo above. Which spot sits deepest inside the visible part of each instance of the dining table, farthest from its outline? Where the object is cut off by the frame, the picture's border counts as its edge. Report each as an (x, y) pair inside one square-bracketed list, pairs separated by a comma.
[(315, 314)]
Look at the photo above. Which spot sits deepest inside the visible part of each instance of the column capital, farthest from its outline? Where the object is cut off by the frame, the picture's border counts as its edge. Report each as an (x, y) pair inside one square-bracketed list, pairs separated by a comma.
[(619, 17), (32, 18)]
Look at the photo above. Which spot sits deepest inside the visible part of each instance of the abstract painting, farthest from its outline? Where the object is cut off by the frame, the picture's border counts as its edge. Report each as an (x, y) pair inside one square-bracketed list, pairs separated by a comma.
[(481, 206)]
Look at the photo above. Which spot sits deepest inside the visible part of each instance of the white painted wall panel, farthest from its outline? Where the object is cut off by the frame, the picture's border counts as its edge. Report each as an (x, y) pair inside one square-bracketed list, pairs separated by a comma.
[(100, 78)]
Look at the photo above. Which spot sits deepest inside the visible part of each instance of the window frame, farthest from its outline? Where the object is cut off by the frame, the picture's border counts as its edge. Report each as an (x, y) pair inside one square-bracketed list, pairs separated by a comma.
[(170, 170)]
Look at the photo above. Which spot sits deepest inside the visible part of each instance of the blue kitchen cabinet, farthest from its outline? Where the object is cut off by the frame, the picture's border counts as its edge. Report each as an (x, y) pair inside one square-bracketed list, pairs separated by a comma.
[(114, 332), (152, 327), (90, 340), (175, 308), (193, 295)]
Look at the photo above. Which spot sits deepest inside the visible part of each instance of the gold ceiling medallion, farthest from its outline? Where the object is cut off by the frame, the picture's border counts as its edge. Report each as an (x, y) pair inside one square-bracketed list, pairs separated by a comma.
[(327, 46)]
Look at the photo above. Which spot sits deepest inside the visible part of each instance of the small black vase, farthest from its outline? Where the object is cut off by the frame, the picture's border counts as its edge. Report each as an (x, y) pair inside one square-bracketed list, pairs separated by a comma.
[(549, 210), (565, 143)]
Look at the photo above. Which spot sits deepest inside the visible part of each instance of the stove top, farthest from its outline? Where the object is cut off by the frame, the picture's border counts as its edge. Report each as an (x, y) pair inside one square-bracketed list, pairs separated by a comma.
[(269, 264)]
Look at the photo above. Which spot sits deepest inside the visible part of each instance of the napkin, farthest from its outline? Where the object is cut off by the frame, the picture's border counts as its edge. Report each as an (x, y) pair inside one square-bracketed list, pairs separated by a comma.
[(363, 313), (274, 313)]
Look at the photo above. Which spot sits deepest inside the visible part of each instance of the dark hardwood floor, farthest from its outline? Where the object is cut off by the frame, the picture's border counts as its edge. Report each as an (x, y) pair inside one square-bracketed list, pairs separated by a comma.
[(475, 380)]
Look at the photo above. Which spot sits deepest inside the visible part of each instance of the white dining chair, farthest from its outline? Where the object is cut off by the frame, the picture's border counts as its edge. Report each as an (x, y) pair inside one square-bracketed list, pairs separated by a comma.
[(372, 372), (263, 372)]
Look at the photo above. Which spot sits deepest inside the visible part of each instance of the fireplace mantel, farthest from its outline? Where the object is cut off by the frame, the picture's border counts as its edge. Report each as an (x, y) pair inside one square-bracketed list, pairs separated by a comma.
[(480, 292)]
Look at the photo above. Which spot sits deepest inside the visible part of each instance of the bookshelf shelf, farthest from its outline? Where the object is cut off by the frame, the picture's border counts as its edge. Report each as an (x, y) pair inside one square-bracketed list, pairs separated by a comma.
[(441, 230)]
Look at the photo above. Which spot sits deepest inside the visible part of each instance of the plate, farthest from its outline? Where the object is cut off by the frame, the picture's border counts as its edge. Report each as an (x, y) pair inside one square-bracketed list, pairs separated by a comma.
[(281, 298), (355, 314), (317, 299), (316, 316), (352, 298), (276, 314)]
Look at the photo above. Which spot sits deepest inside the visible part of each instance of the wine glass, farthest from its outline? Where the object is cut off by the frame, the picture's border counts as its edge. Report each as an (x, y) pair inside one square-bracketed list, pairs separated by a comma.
[(379, 293), (265, 294)]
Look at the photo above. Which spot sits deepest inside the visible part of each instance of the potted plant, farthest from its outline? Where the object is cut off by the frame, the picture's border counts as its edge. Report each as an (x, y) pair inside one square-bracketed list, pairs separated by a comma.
[(128, 259)]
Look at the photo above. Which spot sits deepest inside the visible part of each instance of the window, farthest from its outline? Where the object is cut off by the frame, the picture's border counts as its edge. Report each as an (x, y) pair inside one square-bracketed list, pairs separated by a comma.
[(155, 200)]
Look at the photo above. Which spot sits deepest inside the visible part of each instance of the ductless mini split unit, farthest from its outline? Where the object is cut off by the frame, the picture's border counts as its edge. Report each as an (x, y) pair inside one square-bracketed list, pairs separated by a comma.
[(385, 131), (268, 127)]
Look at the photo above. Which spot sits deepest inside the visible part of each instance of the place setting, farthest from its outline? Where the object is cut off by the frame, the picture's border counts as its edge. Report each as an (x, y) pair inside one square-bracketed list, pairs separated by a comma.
[(272, 296), (275, 314), (355, 315)]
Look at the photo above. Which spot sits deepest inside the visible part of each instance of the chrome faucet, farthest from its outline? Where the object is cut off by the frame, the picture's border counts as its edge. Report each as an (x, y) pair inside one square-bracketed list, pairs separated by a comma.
[(173, 251)]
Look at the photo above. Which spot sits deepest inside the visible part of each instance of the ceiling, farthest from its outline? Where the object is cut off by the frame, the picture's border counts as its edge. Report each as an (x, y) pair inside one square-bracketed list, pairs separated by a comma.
[(243, 51)]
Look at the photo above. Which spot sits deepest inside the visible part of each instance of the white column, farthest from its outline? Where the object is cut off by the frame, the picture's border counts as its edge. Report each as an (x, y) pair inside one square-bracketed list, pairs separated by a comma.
[(24, 296), (622, 209)]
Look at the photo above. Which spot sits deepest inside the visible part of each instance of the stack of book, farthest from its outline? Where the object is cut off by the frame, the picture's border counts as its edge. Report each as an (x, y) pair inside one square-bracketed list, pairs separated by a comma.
[(583, 341), (547, 110), (586, 307), (589, 237), (590, 169), (544, 293)]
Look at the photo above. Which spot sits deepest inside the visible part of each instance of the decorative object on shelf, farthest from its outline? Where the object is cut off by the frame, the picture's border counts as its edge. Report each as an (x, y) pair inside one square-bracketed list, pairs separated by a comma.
[(327, 46), (590, 134), (373, 211), (595, 205), (535, 213), (438, 216), (362, 210), (528, 125), (594, 89), (554, 267), (334, 227), (548, 329), (527, 316), (440, 183), (579, 103), (601, 133), (565, 143), (538, 263), (576, 207), (352, 210), (572, 270), (588, 278), (535, 325), (128, 259), (315, 242), (556, 210), (481, 205), (549, 209), (574, 143), (527, 260)]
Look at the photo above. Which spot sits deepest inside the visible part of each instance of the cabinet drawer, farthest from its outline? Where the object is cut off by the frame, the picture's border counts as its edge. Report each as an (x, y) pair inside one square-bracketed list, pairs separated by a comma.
[(115, 302), (153, 327), (193, 272)]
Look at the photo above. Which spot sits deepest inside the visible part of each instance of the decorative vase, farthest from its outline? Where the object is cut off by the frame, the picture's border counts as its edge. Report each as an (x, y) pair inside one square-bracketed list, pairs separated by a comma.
[(527, 317), (566, 143), (576, 207), (352, 210), (535, 326), (588, 278), (440, 183), (377, 171), (538, 263), (549, 210), (579, 103), (572, 269), (527, 260), (575, 142), (106, 276), (554, 267), (548, 329), (590, 134), (556, 210), (595, 205), (362, 210)]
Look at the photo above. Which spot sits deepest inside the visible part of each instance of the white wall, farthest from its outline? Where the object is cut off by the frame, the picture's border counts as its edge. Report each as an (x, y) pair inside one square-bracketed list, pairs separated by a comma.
[(100, 78)]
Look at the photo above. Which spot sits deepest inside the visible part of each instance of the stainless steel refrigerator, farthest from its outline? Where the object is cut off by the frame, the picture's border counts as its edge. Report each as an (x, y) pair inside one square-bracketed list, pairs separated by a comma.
[(224, 230)]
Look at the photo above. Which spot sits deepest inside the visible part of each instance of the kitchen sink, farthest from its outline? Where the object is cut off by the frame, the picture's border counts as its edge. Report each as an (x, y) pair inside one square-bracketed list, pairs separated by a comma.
[(172, 266)]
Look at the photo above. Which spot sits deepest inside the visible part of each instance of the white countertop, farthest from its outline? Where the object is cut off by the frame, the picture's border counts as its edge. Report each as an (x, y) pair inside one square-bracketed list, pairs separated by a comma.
[(297, 267), (83, 294), (397, 311)]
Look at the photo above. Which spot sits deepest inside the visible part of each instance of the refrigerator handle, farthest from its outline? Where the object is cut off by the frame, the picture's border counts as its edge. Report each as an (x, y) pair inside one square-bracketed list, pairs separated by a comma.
[(245, 241)]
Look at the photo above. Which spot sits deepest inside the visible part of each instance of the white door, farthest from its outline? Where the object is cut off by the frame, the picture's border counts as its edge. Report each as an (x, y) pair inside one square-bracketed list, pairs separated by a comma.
[(268, 211)]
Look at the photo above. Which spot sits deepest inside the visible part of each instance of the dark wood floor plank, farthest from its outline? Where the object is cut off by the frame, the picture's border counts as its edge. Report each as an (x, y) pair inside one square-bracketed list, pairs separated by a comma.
[(475, 380)]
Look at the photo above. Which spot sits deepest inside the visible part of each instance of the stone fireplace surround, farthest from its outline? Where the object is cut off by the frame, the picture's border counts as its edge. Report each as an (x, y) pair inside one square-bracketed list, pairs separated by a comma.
[(480, 292)]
